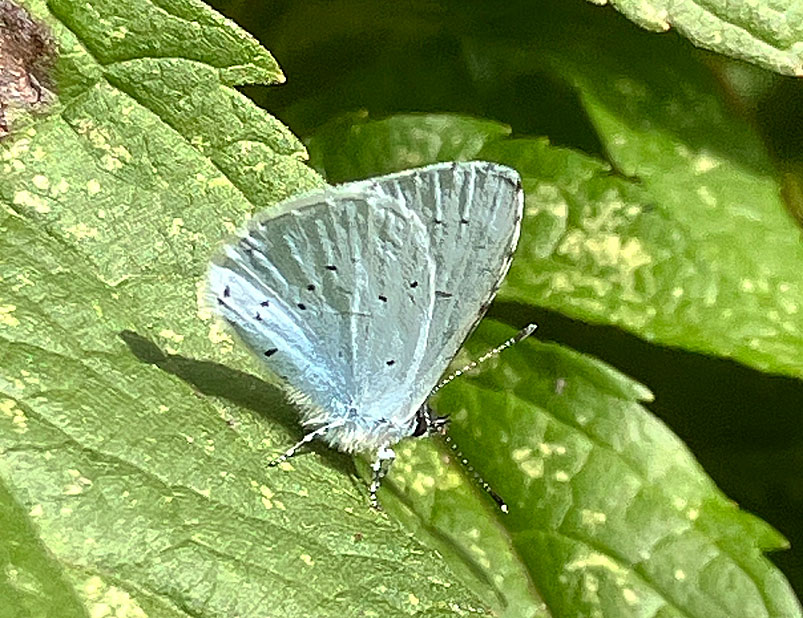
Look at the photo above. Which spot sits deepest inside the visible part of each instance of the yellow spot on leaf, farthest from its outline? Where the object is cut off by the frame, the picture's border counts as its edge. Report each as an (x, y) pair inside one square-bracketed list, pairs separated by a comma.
[(104, 600), (534, 468), (93, 187), (81, 231), (705, 163), (593, 518), (706, 196), (267, 494), (119, 34), (595, 560), (41, 182), (28, 199), (9, 408), (171, 335), (6, 317), (61, 187), (175, 227), (220, 181), (218, 336)]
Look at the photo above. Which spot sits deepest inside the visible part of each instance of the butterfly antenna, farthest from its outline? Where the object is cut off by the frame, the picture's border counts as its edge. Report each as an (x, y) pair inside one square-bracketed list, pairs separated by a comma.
[(520, 336), (476, 475)]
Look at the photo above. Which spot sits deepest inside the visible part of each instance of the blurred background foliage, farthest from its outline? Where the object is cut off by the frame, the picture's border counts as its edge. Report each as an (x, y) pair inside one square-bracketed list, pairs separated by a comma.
[(468, 57)]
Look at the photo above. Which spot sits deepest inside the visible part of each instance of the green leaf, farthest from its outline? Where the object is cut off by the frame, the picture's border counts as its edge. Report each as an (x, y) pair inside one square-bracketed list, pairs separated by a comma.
[(707, 194), (609, 513), (368, 148), (767, 32), (134, 434)]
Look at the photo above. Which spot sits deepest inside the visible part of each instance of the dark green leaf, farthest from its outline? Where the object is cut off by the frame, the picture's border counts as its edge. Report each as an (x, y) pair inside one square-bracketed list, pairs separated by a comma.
[(765, 32)]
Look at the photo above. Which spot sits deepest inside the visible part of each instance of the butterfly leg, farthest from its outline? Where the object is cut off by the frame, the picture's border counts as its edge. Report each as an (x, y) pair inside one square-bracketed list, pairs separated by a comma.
[(305, 440), (384, 457)]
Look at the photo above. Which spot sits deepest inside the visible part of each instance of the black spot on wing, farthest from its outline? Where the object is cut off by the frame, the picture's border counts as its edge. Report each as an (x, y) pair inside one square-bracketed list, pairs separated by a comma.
[(270, 352)]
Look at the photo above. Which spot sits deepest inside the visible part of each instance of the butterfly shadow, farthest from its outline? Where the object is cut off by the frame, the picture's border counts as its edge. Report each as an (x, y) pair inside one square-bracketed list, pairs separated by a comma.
[(239, 388)]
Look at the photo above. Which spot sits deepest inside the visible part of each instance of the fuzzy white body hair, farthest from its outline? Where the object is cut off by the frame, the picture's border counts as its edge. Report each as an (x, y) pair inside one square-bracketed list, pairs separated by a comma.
[(350, 431)]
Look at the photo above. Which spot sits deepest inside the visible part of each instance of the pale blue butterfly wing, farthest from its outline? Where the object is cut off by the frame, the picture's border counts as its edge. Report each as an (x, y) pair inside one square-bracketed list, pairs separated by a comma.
[(335, 291)]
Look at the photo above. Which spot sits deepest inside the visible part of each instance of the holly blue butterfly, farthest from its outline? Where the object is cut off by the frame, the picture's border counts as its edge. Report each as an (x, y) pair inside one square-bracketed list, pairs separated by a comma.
[(360, 295)]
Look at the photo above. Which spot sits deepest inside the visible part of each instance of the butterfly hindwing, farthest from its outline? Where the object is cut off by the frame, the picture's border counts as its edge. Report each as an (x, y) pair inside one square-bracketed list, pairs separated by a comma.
[(472, 213)]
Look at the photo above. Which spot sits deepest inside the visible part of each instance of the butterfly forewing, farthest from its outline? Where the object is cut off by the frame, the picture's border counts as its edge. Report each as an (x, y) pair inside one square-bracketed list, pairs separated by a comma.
[(336, 294)]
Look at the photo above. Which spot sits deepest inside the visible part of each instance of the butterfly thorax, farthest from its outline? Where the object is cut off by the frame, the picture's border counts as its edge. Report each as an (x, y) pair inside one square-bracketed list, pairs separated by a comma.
[(358, 434)]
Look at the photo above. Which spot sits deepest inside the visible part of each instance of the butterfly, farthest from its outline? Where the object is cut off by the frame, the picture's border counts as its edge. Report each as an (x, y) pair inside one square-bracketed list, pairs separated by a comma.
[(358, 296)]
